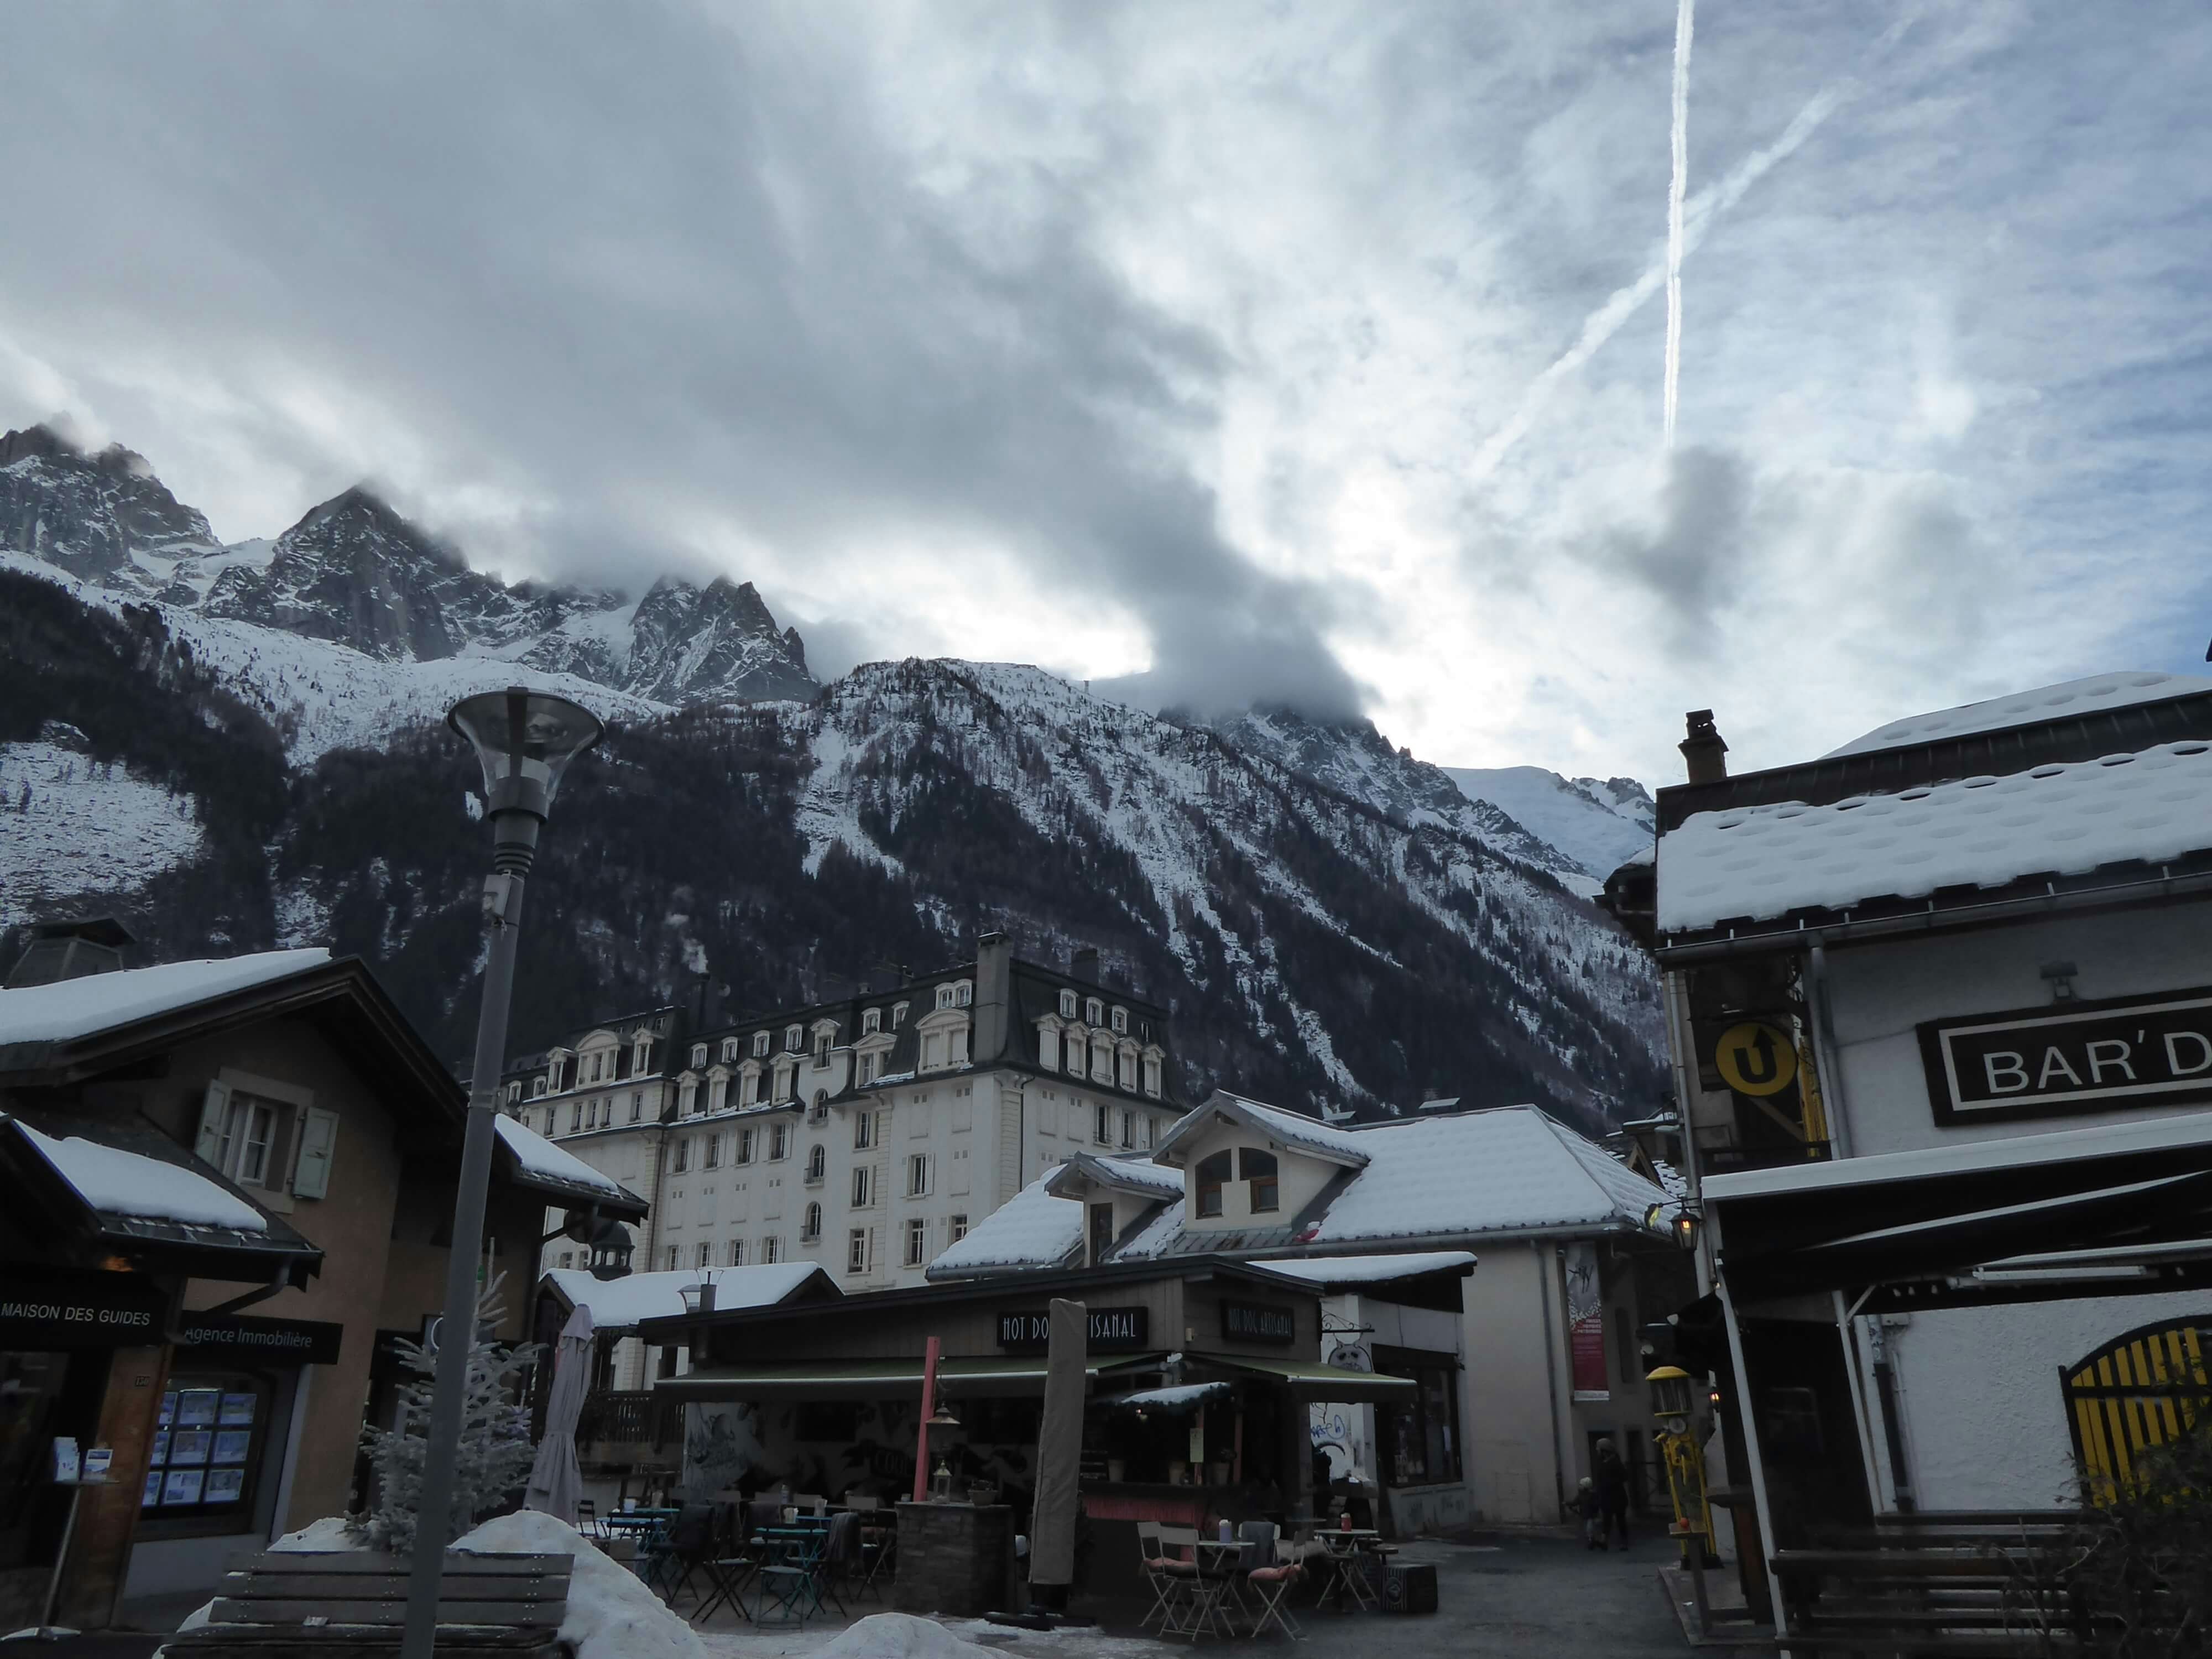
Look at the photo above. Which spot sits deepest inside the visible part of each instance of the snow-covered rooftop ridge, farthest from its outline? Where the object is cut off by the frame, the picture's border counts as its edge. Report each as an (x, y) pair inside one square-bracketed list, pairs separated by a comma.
[(540, 1156), (1137, 1172), (1760, 863), (1291, 1129), (1366, 1269), (2095, 694), (125, 1183), (1032, 1229), (73, 1008), (622, 1303)]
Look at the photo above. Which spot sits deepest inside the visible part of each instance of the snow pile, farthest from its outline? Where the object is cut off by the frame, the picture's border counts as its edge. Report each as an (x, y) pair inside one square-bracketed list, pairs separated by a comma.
[(119, 1182), (540, 1156), (100, 1002), (69, 825), (611, 1614), (900, 1636), (622, 1303), (1760, 863), (2093, 696)]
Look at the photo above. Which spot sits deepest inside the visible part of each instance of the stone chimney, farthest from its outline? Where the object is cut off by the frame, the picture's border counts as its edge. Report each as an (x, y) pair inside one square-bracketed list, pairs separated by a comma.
[(994, 997), (1705, 750), (70, 949), (1084, 965)]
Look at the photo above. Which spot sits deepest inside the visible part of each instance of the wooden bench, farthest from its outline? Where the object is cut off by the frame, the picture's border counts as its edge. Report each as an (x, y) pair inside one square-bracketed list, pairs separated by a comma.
[(353, 1605), (1944, 1583)]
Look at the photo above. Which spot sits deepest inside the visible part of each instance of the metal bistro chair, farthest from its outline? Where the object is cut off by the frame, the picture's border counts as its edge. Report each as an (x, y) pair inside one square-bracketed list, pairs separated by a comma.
[(691, 1544), (791, 1570), (1272, 1585), (1164, 1575), (879, 1555), (587, 1519)]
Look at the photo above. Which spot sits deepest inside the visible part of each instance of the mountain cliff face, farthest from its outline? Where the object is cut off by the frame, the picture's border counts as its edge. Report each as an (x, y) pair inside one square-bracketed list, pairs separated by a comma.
[(1329, 920)]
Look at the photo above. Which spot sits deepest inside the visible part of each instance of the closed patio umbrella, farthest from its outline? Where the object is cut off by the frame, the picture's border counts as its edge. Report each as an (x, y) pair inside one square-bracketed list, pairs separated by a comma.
[(1059, 1456), (555, 1483)]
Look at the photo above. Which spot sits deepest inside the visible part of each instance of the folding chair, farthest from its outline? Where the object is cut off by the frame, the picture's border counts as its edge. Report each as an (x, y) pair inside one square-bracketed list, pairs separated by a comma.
[(1270, 1585), (879, 1553), (1158, 1569), (691, 1544), (1190, 1608), (587, 1519), (840, 1553)]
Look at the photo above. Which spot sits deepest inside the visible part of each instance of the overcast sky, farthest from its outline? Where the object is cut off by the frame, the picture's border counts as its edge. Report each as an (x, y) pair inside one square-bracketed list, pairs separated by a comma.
[(1287, 350)]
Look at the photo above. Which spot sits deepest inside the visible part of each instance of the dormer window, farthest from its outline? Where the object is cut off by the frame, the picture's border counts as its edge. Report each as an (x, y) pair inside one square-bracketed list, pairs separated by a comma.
[(1094, 1012), (760, 1045), (729, 1049), (964, 995), (699, 1053), (1068, 1005), (872, 1021), (537, 1088), (1122, 1022), (1258, 1169), (822, 1047), (794, 1038), (898, 1015), (944, 996), (1213, 1176)]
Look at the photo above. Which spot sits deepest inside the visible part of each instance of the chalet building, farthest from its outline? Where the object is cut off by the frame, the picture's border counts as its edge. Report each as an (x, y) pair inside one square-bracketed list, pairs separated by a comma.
[(1943, 1045), (229, 1186), (863, 1135), (1517, 1375)]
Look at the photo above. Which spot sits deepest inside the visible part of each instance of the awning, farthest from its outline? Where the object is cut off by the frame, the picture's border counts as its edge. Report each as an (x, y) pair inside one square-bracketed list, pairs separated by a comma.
[(1309, 1379), (864, 1379), (1173, 1402)]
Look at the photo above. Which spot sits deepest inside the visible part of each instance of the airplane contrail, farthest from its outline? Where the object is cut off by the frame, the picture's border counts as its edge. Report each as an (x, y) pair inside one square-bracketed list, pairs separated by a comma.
[(1686, 22), (1699, 213)]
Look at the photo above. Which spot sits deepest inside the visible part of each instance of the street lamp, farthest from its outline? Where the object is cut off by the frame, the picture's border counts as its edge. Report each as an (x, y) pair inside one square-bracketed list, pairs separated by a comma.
[(525, 740)]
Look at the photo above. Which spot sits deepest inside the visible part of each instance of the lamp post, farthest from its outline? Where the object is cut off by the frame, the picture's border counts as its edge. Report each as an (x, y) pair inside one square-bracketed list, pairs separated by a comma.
[(524, 740)]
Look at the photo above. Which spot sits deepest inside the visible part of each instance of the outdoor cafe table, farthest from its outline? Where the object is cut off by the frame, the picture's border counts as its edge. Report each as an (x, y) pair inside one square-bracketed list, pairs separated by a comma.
[(1342, 1549)]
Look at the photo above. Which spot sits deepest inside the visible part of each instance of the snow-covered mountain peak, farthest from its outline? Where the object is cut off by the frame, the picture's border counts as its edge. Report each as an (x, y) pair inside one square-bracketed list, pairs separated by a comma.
[(102, 515), (1598, 823)]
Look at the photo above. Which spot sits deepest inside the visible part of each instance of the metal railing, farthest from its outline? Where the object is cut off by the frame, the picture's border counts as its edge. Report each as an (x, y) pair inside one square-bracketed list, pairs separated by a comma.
[(633, 1417)]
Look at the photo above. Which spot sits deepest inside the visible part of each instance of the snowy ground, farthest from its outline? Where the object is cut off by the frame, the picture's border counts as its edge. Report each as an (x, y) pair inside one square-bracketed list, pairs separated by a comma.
[(87, 829), (841, 1641)]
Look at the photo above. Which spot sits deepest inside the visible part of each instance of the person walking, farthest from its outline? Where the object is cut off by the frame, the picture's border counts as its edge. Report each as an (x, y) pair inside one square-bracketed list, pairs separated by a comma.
[(1610, 1476), (1591, 1514)]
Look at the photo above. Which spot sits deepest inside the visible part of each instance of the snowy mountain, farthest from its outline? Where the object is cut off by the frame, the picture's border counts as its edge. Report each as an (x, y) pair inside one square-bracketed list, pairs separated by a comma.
[(1596, 824)]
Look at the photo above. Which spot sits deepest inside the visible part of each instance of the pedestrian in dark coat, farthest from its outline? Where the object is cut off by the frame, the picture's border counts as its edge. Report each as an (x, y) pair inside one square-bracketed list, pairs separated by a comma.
[(1610, 1476)]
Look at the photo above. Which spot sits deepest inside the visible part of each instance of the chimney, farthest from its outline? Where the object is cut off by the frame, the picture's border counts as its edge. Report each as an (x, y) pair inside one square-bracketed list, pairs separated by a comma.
[(1705, 750), (70, 949), (994, 996), (1084, 965)]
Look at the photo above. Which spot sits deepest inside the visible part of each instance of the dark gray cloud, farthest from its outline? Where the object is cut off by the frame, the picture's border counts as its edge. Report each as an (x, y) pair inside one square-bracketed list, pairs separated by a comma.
[(1693, 557)]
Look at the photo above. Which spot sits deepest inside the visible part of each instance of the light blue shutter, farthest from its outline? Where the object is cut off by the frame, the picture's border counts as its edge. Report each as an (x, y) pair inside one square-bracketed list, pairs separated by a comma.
[(318, 1139), (215, 1106)]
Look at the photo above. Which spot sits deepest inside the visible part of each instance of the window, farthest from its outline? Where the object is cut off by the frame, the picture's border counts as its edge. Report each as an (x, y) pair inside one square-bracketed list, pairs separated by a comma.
[(1120, 1022), (1102, 1125), (745, 1146), (820, 1047), (958, 1228), (699, 1053), (868, 1064), (1102, 1231), (1151, 1077), (810, 1227), (771, 1250), (964, 995), (1075, 1056), (959, 1048), (778, 1143), (536, 1088), (760, 1045), (817, 1161), (794, 1038), (683, 1154), (208, 1450), (917, 1242), (244, 1130), (672, 1258), (944, 996), (1068, 1005), (714, 1151), (1128, 1129), (729, 1049), (898, 1015), (856, 1250), (1094, 1012), (567, 1257), (706, 1254), (1213, 1172), (575, 1117), (636, 1104), (863, 1130), (737, 1252), (861, 1189), (917, 1176), (872, 1021), (1258, 1168), (1420, 1438)]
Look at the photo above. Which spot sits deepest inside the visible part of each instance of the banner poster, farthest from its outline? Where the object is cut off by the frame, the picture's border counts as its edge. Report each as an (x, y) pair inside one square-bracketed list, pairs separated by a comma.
[(1585, 1324)]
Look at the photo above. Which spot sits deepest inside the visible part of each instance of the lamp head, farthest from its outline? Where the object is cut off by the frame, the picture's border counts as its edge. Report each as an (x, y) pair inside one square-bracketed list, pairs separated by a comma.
[(524, 740)]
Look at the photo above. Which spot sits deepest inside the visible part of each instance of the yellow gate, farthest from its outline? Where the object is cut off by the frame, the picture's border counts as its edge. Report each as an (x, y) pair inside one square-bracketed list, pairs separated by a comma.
[(2139, 1390)]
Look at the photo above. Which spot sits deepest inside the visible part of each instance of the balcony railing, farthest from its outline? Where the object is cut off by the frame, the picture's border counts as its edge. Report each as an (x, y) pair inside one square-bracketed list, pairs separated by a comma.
[(631, 1417)]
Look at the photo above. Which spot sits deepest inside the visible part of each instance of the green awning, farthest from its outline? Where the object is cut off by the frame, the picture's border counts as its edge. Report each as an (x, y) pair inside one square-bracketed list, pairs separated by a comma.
[(860, 1379), (1309, 1379)]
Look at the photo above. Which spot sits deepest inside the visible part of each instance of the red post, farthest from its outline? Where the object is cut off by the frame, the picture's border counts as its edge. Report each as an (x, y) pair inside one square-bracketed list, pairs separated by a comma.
[(928, 1410)]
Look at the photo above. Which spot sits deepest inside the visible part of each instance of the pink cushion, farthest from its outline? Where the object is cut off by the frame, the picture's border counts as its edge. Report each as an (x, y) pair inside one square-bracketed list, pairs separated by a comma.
[(1276, 1575)]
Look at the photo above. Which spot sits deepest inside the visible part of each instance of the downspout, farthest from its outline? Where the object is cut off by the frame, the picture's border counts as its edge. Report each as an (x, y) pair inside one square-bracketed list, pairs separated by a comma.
[(1551, 1374), (1823, 1051)]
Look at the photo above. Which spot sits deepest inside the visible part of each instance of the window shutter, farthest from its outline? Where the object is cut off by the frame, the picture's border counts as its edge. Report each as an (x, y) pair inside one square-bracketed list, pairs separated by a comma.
[(215, 1105), (319, 1140)]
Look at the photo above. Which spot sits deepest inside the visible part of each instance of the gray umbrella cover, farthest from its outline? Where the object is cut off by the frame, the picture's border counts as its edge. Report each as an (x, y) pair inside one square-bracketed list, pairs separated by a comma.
[(555, 1484), (1060, 1447)]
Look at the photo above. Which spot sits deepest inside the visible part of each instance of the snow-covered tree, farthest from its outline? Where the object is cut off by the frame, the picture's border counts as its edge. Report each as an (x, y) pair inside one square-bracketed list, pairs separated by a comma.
[(496, 1450)]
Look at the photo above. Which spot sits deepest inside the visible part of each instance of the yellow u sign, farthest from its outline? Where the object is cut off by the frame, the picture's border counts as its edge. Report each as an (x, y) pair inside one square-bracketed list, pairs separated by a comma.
[(1756, 1059)]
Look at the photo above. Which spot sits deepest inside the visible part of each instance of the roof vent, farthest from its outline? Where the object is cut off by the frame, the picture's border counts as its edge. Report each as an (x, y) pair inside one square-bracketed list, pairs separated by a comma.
[(70, 949)]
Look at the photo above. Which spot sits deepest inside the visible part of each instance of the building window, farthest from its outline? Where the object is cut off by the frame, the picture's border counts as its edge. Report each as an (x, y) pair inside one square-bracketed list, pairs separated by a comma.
[(714, 1151), (917, 1176), (1129, 1130), (575, 1117), (856, 1250), (822, 1047), (1213, 1174), (683, 1154), (861, 1189), (778, 1143), (1074, 1054), (1421, 1444), (699, 1055), (760, 1045), (1258, 1168), (537, 1088), (794, 1038), (868, 1064), (706, 1254), (568, 1256), (771, 1250), (729, 1049), (872, 1021), (1102, 1231), (863, 1130), (811, 1228), (636, 1104), (1151, 1077), (917, 1242), (1120, 1022), (964, 995), (1094, 1012), (958, 1228), (672, 1258), (944, 996), (208, 1450), (817, 1162), (745, 1146), (242, 1138), (737, 1252), (1102, 1125), (1068, 1005), (898, 1015), (959, 1048)]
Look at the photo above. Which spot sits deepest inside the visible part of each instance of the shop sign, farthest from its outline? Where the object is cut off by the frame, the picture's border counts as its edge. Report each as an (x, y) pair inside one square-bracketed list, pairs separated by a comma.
[(1109, 1329), (50, 1310), (1259, 1321), (2073, 1057), (234, 1336)]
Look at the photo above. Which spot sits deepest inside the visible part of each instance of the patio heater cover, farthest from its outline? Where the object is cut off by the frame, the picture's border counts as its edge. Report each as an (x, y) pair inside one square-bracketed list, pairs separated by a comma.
[(555, 1483), (1060, 1447)]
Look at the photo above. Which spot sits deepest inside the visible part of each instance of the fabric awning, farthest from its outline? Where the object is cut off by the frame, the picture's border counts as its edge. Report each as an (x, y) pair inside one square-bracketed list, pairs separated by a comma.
[(1309, 1379), (861, 1379), (1175, 1402)]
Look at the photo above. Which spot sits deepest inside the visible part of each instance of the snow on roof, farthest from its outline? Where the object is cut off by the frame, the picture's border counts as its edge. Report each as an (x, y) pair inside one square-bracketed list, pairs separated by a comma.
[(540, 1156), (1367, 1269), (622, 1303), (2095, 694), (72, 1008), (120, 1183), (1764, 862), (1139, 1173), (1032, 1229), (1290, 1128)]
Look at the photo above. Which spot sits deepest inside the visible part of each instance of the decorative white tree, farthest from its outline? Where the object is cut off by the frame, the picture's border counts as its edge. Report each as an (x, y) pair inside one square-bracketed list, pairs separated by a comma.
[(495, 1449)]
